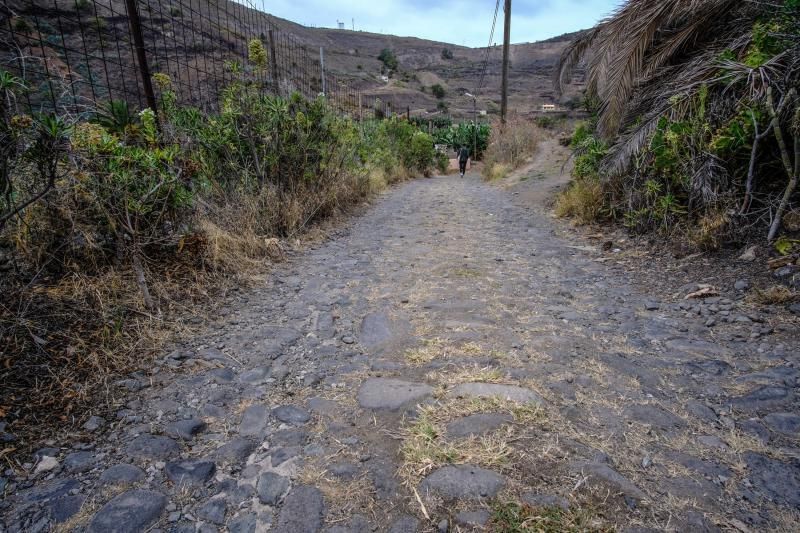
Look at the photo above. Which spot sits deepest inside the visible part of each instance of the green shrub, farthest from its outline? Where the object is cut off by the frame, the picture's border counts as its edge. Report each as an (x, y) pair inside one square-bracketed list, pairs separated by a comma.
[(21, 26), (545, 122), (442, 162), (473, 136), (438, 91), (414, 148), (106, 221), (389, 59)]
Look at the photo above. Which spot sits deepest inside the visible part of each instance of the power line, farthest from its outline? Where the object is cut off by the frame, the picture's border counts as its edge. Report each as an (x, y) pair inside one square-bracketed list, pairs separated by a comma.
[(480, 83), (488, 48)]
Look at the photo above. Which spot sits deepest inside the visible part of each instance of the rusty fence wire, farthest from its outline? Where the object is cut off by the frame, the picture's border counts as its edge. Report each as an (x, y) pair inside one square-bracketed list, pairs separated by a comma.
[(75, 55)]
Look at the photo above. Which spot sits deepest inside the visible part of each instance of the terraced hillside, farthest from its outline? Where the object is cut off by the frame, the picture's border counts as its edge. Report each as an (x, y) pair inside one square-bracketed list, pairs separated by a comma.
[(193, 42)]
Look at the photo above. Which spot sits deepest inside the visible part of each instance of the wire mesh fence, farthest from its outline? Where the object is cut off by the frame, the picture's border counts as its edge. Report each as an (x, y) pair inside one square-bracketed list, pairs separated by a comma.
[(74, 55)]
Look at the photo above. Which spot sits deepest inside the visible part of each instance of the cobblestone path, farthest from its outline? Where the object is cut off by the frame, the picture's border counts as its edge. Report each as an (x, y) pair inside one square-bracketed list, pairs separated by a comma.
[(449, 361)]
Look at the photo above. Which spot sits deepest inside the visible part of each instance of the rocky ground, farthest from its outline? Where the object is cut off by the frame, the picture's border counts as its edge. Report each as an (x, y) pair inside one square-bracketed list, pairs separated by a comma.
[(453, 360)]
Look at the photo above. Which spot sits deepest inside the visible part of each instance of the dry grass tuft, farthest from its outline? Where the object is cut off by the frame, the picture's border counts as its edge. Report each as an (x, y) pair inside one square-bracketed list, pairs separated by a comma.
[(497, 171), (450, 376), (344, 498), (425, 449), (582, 201), (238, 251), (438, 349), (426, 446), (467, 273), (710, 231), (509, 147), (775, 295), (430, 350)]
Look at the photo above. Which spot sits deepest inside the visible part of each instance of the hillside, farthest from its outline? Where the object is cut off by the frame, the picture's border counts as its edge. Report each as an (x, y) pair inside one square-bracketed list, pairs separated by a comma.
[(192, 42), (354, 55)]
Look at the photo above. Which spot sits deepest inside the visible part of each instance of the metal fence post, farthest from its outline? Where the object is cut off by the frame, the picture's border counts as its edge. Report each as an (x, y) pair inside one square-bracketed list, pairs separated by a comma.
[(141, 54), (274, 63), (322, 68)]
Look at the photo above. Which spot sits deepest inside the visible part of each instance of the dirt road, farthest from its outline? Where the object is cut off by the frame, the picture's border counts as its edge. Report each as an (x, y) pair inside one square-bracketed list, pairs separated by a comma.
[(448, 354)]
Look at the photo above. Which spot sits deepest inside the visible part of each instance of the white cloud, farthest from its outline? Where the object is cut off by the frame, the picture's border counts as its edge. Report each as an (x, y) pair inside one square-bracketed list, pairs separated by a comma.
[(458, 22)]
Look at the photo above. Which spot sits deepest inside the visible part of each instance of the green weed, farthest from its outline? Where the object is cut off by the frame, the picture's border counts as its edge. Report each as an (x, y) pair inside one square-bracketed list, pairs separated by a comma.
[(511, 517)]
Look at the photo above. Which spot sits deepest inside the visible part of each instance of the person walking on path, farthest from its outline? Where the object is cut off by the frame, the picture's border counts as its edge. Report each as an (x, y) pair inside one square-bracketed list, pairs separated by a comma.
[(463, 157)]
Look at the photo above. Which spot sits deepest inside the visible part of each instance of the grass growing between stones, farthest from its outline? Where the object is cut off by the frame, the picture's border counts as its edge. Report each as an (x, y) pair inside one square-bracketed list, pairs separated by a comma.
[(427, 447), (343, 497), (467, 273), (511, 517), (80, 519), (437, 348), (448, 377)]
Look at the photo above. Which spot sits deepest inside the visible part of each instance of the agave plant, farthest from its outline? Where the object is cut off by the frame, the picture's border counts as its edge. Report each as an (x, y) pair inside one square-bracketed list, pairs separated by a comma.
[(115, 116)]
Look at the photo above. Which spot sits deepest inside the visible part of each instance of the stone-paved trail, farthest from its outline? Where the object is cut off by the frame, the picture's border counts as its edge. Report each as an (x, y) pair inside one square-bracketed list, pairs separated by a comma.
[(447, 353)]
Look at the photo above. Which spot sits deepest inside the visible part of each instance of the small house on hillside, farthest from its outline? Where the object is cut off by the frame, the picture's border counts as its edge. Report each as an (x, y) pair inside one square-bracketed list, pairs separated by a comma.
[(548, 108)]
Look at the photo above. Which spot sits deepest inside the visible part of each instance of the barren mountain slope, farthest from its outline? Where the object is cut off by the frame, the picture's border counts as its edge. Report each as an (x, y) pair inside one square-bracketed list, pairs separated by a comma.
[(354, 55), (192, 42)]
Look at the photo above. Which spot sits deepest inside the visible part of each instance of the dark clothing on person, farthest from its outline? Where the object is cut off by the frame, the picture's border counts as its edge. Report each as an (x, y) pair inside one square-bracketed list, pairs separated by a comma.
[(463, 157)]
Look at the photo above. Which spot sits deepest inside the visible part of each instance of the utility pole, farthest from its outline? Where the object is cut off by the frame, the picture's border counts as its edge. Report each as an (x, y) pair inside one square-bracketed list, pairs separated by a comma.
[(474, 128), (506, 46), (474, 124)]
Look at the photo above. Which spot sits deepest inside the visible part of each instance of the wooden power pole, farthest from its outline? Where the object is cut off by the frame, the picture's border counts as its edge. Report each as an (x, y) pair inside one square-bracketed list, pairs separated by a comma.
[(506, 46)]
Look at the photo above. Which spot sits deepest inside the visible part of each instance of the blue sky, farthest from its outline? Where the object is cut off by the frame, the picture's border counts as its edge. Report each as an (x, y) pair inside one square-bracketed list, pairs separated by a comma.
[(464, 22)]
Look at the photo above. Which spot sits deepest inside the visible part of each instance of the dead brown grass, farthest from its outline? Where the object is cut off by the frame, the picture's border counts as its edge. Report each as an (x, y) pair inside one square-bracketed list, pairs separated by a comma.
[(66, 338), (344, 498), (582, 201), (509, 147), (710, 231), (775, 295), (437, 349), (426, 445)]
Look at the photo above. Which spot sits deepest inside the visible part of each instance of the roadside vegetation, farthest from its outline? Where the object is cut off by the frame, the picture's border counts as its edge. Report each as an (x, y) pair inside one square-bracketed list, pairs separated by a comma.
[(695, 128), (509, 147), (113, 225), (473, 136)]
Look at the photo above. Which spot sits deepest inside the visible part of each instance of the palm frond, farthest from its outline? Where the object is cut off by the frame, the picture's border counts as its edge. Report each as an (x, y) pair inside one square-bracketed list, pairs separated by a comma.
[(571, 58)]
